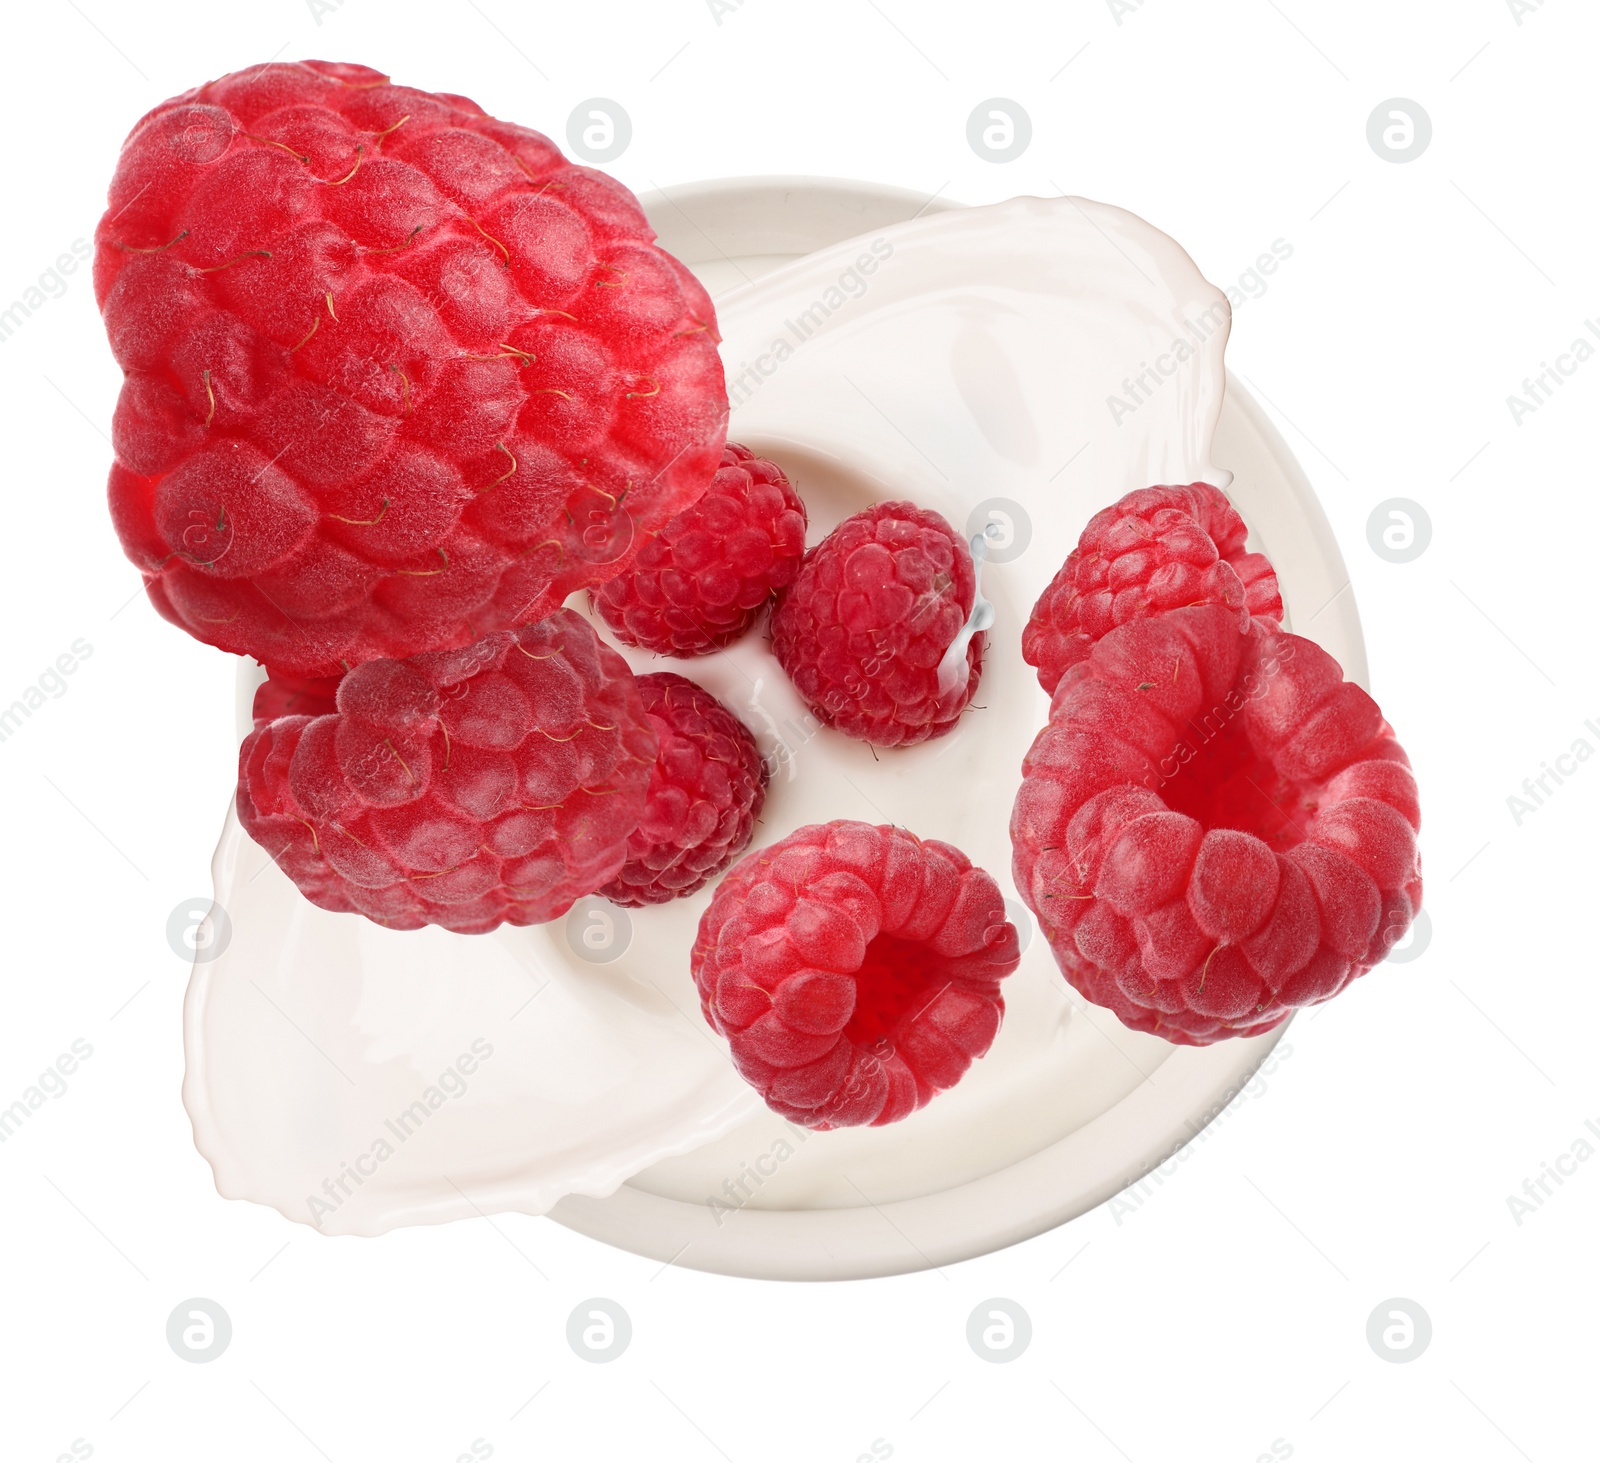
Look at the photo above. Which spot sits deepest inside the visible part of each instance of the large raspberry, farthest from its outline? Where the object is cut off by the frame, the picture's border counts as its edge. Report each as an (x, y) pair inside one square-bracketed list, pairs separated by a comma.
[(1155, 549), (1215, 827), (397, 373), (466, 788), (855, 971), (867, 621), (706, 791), (706, 579)]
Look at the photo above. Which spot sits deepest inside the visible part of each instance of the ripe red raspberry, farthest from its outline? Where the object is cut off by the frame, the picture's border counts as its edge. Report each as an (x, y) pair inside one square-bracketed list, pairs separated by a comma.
[(397, 373), (867, 621), (1155, 549), (706, 579), (466, 788), (281, 695), (706, 791), (855, 971), (1215, 828)]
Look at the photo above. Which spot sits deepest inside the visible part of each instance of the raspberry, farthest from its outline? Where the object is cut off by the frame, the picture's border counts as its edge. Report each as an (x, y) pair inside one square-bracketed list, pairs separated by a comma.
[(855, 971), (397, 374), (706, 791), (281, 695), (1215, 827), (862, 630), (706, 579), (466, 788), (1154, 550)]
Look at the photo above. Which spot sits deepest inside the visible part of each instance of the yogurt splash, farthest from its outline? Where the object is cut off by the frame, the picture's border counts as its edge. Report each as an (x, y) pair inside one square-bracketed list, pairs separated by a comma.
[(953, 671)]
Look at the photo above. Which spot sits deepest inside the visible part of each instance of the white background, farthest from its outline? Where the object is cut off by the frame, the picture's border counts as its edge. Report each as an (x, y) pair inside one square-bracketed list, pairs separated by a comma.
[(1227, 1312)]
